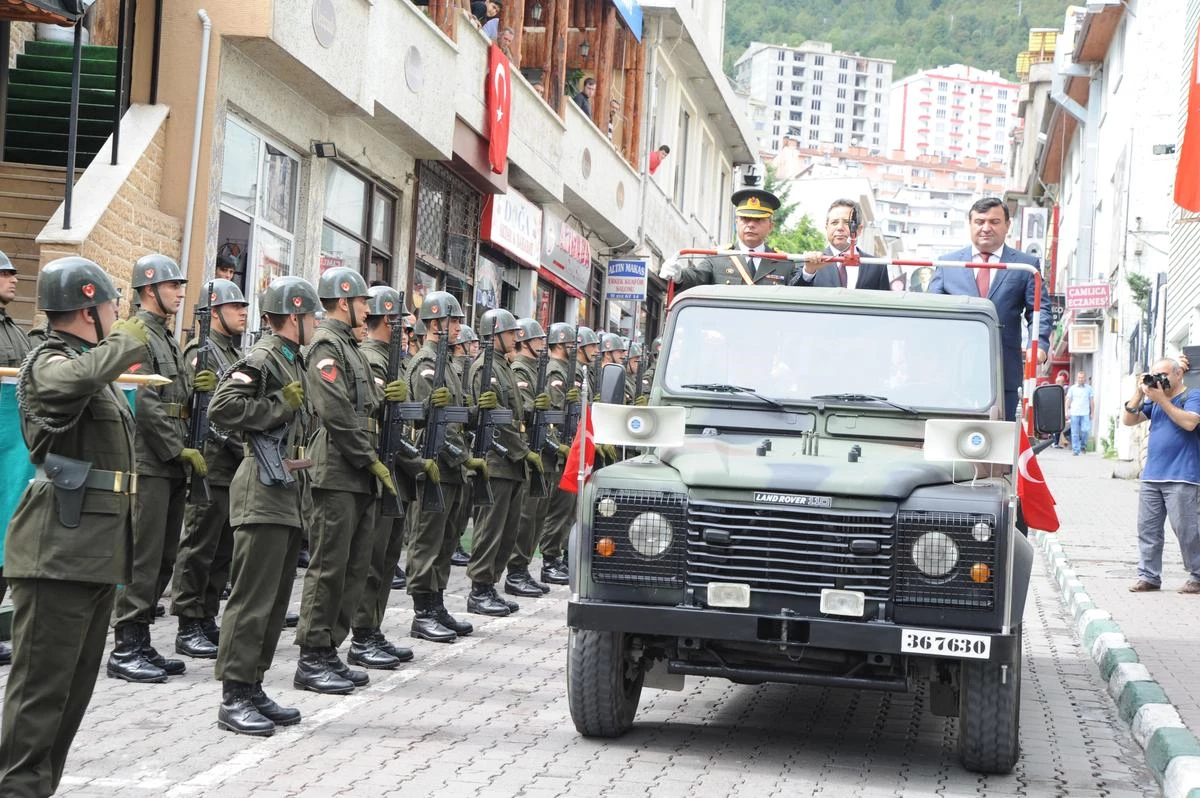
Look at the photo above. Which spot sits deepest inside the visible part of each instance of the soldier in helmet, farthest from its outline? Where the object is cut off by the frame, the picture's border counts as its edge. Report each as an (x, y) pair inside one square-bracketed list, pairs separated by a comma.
[(465, 349), (262, 397), (14, 345), (347, 480), (433, 535), (164, 464), (496, 524), (560, 510), (206, 546), (632, 363), (67, 548)]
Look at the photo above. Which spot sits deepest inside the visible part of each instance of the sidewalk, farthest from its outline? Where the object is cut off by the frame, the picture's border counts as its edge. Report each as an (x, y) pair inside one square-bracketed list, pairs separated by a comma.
[(1098, 536)]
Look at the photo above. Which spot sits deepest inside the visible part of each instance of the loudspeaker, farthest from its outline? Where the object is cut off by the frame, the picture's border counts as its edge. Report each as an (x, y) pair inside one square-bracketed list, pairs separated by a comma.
[(976, 441), (629, 425)]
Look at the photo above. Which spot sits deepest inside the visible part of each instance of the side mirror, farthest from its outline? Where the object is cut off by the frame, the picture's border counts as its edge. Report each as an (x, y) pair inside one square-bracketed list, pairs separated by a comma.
[(1049, 415), (612, 384)]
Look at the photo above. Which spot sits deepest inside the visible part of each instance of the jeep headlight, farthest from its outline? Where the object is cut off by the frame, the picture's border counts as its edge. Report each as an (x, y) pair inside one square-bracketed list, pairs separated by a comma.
[(935, 554), (650, 534)]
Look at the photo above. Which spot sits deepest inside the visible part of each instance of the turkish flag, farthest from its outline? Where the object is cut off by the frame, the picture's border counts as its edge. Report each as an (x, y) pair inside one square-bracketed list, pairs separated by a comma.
[(585, 439), (499, 105), (1187, 173), (1036, 502)]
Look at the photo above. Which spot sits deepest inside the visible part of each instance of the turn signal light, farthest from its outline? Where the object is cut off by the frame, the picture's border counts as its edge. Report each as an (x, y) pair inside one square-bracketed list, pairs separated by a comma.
[(980, 573), (605, 547)]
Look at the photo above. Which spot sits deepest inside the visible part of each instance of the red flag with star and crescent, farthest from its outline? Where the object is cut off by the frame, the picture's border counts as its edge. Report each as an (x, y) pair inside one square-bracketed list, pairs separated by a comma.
[(499, 105), (1187, 172), (1036, 502), (585, 439)]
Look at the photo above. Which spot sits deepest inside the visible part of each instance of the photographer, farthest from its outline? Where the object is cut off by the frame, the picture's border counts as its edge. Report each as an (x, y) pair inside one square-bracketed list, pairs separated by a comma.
[(1171, 477)]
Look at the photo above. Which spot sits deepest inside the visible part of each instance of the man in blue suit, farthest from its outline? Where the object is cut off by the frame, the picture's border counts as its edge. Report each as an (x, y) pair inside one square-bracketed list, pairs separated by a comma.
[(1012, 292)]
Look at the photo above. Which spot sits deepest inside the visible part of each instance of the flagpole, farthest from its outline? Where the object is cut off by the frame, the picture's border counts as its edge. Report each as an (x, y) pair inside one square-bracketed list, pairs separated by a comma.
[(133, 379), (580, 474)]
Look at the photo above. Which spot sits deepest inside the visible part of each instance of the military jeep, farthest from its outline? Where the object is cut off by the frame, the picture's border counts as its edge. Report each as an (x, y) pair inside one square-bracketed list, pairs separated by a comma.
[(837, 508)]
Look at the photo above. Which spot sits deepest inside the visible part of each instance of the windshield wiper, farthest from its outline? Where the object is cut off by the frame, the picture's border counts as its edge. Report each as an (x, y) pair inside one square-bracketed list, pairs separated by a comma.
[(718, 387), (862, 397)]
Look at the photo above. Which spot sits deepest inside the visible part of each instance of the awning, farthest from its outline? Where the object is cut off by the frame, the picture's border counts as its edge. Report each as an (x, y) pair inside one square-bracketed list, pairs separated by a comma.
[(58, 12), (631, 12)]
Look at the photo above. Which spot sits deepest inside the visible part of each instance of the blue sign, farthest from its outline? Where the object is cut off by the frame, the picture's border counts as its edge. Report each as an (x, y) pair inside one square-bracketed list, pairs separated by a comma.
[(626, 280), (631, 12)]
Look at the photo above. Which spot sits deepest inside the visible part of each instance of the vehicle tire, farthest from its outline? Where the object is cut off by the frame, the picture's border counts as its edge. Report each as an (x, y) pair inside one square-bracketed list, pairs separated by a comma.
[(989, 714), (603, 683)]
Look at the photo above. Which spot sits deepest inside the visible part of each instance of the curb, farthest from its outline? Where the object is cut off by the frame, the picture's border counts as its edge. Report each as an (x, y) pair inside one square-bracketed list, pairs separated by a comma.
[(1172, 752)]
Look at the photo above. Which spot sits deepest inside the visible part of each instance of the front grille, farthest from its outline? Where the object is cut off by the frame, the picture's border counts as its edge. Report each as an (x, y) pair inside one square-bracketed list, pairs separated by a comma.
[(954, 588), (794, 551), (626, 565)]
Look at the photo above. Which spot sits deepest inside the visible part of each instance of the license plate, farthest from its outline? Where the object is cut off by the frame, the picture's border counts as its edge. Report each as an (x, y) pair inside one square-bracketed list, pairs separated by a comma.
[(944, 644)]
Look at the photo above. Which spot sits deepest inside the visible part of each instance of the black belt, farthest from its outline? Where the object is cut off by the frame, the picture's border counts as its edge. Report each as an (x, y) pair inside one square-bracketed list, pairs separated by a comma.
[(123, 482)]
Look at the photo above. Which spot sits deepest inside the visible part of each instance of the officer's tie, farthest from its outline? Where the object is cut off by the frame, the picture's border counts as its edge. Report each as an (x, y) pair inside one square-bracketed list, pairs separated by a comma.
[(983, 277)]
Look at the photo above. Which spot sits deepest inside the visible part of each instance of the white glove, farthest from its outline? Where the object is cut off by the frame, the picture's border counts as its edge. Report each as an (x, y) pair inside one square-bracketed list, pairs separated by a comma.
[(670, 269)]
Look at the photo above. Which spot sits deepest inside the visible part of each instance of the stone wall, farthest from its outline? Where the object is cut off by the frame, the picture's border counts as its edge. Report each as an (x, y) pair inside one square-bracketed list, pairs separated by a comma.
[(19, 33)]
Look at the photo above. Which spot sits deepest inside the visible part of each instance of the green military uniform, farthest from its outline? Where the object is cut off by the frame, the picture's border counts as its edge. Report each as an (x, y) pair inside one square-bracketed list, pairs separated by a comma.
[(724, 271), (460, 365), (63, 570), (560, 513), (533, 510)]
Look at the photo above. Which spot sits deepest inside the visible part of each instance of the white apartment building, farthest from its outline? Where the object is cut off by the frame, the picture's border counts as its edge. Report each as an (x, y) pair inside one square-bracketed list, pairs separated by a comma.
[(815, 95), (953, 112)]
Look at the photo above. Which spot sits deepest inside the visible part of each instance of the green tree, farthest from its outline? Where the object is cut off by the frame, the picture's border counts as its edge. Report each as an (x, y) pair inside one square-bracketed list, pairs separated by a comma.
[(802, 237)]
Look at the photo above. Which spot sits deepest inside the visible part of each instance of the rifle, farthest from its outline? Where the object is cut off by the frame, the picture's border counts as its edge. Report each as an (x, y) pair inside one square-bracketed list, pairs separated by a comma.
[(433, 500), (485, 427), (539, 429), (393, 443), (269, 449), (575, 409), (198, 491)]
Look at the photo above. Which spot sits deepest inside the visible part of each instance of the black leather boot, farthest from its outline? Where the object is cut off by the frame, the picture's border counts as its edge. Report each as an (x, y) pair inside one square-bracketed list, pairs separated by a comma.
[(5, 654), (401, 653), (313, 672), (302, 560), (239, 714), (280, 716), (519, 583), (484, 601), (291, 620), (426, 625), (399, 579), (173, 667), (127, 660), (512, 605), (366, 652), (460, 628), (460, 557), (211, 630), (554, 571), (529, 578), (356, 678), (192, 642)]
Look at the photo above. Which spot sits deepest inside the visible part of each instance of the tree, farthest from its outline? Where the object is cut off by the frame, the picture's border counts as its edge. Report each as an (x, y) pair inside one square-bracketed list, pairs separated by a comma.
[(802, 237)]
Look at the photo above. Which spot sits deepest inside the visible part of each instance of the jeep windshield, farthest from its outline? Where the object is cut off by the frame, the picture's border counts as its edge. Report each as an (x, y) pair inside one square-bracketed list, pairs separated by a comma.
[(792, 355)]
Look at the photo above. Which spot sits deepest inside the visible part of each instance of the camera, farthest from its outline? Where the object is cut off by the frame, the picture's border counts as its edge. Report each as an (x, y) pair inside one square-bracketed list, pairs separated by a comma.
[(1156, 381)]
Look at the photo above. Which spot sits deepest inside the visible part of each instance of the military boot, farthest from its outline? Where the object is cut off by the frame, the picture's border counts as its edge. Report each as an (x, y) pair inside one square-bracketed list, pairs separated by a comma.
[(173, 667), (519, 583), (366, 652), (426, 625), (192, 642), (356, 678), (5, 654), (127, 660), (291, 620), (460, 628), (554, 571), (399, 578), (280, 716), (399, 652), (238, 712), (512, 605), (314, 673), (484, 601), (211, 630), (460, 557)]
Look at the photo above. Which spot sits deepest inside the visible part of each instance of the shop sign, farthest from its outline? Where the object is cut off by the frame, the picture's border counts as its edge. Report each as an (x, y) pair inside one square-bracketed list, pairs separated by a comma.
[(566, 252), (1084, 338), (514, 224), (330, 262), (626, 280), (1088, 297), (324, 21)]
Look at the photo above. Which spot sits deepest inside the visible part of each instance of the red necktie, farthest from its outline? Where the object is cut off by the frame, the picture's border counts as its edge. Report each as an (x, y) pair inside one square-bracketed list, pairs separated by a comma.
[(983, 277), (842, 273)]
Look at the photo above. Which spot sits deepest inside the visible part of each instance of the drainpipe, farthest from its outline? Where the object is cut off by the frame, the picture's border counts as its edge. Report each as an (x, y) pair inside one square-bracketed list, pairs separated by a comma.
[(197, 130), (649, 146)]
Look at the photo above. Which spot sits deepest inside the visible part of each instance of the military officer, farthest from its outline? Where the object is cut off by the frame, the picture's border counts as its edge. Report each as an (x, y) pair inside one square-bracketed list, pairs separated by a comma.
[(434, 534), (560, 514), (262, 397), (164, 463), (496, 524), (206, 546), (754, 209), (464, 351), (68, 546)]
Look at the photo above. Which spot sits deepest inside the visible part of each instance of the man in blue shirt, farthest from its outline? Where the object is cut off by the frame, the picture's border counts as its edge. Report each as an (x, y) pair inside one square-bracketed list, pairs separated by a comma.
[(1080, 405), (1171, 477)]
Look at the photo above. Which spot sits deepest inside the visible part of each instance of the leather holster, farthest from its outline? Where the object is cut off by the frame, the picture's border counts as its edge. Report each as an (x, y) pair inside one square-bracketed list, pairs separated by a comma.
[(69, 478)]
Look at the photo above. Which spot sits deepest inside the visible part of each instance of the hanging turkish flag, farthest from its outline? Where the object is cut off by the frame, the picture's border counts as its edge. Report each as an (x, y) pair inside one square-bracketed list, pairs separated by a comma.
[(585, 439), (499, 104), (1036, 502), (1187, 173)]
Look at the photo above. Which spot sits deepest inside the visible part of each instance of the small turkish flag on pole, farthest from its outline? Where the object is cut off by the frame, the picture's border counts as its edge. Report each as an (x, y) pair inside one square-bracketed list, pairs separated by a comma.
[(1036, 502), (585, 439), (1187, 173), (499, 106)]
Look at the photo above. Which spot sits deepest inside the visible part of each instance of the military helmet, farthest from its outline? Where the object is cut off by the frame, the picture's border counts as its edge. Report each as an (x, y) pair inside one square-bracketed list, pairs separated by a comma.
[(440, 305), (528, 329), (611, 342), (289, 294), (496, 320), (635, 350), (656, 345), (154, 269), (586, 336), (466, 334), (560, 333), (341, 282), (6, 265), (410, 321), (383, 300), (420, 329), (72, 283), (223, 292)]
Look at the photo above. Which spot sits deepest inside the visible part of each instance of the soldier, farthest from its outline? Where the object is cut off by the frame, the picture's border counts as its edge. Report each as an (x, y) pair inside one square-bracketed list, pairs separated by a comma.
[(496, 524), (648, 376), (433, 534), (164, 462), (560, 514), (14, 345), (203, 563), (68, 546), (369, 647), (346, 482), (633, 395), (464, 351), (262, 397), (754, 209)]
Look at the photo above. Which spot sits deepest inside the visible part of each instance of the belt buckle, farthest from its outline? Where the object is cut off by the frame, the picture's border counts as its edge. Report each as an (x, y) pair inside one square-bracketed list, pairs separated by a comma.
[(117, 477), (299, 452), (133, 480)]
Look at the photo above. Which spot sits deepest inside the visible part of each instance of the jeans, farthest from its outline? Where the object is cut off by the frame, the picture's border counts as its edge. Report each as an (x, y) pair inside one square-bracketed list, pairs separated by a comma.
[(1079, 433), (1158, 502)]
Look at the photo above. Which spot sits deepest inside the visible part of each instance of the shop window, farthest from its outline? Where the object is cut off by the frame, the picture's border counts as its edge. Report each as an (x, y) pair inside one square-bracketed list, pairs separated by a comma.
[(447, 233), (359, 222)]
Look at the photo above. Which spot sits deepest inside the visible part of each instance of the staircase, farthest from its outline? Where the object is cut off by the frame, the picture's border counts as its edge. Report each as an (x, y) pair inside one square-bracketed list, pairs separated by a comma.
[(39, 104), (29, 195)]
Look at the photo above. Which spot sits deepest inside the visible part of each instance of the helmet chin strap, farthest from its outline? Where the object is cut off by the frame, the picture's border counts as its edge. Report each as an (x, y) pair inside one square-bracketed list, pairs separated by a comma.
[(96, 323), (299, 329), (353, 316)]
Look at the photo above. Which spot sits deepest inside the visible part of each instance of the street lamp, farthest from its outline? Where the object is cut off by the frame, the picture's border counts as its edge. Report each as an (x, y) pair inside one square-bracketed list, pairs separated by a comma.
[(535, 13), (584, 49)]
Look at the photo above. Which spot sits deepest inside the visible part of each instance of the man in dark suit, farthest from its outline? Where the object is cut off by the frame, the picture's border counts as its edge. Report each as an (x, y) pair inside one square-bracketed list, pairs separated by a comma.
[(1012, 292), (871, 276), (755, 208)]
